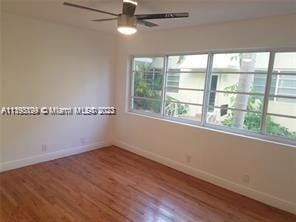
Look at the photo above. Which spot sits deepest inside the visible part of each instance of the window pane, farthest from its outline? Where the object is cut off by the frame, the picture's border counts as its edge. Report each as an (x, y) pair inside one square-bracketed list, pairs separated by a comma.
[(188, 63), (186, 96), (240, 82), (282, 106), (240, 75), (241, 62), (147, 105), (285, 62), (148, 85), (148, 64), (281, 126), (235, 119), (187, 80), (173, 80), (283, 85), (185, 111), (185, 72), (236, 101)]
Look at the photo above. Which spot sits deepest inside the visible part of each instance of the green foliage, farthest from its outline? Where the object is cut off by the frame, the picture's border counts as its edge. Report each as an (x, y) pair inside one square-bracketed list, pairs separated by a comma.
[(143, 66), (175, 109), (252, 119), (228, 120), (143, 89), (278, 130), (232, 88), (147, 105), (151, 89)]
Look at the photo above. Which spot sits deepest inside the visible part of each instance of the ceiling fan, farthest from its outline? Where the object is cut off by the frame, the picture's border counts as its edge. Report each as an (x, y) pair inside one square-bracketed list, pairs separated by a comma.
[(127, 21)]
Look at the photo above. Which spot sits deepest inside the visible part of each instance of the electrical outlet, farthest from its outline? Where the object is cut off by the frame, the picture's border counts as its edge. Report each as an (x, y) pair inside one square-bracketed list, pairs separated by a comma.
[(188, 158), (246, 179), (43, 148), (82, 141)]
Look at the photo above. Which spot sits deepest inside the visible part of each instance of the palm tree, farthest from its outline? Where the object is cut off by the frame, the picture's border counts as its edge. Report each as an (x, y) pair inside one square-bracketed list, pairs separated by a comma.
[(247, 64)]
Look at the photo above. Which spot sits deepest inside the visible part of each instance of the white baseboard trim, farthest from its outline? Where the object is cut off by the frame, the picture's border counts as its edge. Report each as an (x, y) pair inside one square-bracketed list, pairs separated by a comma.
[(219, 181), (9, 165)]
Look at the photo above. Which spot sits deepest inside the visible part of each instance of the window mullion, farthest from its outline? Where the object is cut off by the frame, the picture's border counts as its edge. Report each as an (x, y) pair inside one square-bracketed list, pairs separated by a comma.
[(267, 92), (164, 83), (207, 89), (131, 84)]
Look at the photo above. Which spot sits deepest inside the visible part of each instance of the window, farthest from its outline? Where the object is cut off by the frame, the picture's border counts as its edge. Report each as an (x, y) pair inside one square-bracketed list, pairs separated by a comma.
[(187, 99), (281, 112), (147, 84), (238, 102), (252, 93)]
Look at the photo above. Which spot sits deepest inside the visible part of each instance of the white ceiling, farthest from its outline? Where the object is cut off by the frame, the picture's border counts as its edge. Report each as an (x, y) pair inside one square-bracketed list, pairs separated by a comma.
[(201, 11)]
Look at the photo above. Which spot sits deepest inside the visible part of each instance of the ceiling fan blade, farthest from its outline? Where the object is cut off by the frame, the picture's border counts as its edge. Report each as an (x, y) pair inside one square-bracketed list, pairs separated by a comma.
[(129, 7), (163, 16), (146, 23), (88, 8), (103, 20)]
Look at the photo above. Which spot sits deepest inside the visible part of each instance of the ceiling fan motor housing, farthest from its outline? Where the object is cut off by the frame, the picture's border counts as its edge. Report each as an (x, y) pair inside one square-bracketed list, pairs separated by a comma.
[(127, 21)]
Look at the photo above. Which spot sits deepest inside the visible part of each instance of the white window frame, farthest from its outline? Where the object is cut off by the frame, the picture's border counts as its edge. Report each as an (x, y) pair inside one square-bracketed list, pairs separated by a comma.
[(203, 123), (180, 119)]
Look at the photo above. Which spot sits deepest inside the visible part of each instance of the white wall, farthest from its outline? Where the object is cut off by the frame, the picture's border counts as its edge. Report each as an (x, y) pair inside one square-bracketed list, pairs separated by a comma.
[(217, 157), (47, 64), (1, 140)]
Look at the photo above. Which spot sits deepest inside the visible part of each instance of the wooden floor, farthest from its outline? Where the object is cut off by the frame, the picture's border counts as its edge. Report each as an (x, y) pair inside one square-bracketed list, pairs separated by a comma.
[(111, 184)]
